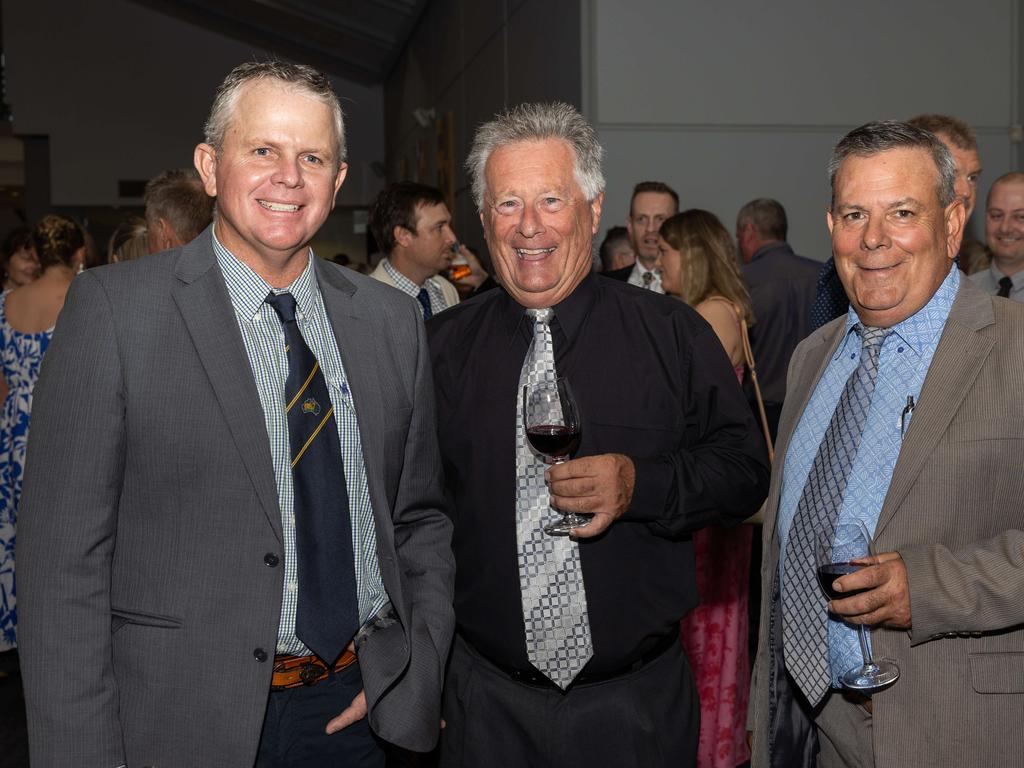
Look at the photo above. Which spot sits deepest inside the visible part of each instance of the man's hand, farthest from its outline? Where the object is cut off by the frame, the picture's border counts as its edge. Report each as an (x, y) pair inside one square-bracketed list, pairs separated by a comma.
[(597, 485), (354, 712), (886, 601), (477, 274)]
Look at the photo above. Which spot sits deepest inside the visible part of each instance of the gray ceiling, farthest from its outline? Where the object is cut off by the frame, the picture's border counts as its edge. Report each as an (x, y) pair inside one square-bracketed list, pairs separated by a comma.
[(359, 40)]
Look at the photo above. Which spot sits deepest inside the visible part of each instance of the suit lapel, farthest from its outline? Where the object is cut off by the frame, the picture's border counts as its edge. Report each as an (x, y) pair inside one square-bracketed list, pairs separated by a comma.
[(820, 349), (205, 306), (958, 360)]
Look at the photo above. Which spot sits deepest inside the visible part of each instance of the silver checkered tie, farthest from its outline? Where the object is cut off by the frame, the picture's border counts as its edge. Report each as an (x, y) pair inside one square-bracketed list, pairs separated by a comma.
[(550, 576), (805, 625)]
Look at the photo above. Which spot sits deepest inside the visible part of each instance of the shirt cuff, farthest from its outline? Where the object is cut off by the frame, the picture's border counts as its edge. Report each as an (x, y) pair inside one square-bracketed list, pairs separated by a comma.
[(653, 490)]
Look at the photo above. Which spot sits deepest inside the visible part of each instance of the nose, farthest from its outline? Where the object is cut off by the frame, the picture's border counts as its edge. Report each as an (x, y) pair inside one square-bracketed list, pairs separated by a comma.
[(875, 235), (287, 172), (530, 224), (449, 235)]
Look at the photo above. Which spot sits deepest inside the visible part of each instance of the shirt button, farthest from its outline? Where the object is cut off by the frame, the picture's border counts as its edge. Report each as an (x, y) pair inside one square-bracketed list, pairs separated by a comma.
[(260, 655), (899, 349), (293, 586), (271, 559)]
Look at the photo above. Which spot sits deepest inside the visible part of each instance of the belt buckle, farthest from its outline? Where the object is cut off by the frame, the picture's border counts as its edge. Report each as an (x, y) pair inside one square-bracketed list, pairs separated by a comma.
[(311, 673)]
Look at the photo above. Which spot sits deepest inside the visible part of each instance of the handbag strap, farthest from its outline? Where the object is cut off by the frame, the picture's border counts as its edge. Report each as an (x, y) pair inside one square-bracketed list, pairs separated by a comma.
[(748, 356)]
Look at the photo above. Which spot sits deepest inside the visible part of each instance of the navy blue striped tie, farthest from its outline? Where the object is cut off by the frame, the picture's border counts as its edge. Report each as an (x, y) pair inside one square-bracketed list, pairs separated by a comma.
[(328, 609)]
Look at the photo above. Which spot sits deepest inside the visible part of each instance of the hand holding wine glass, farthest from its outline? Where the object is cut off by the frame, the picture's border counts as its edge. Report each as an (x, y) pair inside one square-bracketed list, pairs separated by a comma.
[(836, 555), (552, 424)]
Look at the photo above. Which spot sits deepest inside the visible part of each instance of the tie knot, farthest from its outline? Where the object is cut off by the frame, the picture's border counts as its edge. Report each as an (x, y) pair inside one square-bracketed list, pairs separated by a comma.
[(284, 305), (1005, 283), (541, 316), (871, 338), (648, 278)]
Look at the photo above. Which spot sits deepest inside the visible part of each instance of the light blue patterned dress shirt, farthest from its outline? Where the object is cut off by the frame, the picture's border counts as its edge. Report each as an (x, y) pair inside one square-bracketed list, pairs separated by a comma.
[(903, 365), (405, 285), (264, 343)]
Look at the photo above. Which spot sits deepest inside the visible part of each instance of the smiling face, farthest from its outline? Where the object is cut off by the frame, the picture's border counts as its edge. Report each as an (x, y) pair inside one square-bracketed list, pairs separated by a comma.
[(1004, 225), (538, 224), (892, 240), (275, 178)]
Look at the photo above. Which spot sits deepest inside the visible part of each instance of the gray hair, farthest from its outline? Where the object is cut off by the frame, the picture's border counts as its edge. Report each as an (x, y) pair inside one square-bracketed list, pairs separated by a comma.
[(537, 122), (873, 138), (301, 77), (767, 216)]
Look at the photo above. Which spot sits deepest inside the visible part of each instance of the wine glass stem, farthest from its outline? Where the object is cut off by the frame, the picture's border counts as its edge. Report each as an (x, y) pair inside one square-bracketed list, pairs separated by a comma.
[(865, 647)]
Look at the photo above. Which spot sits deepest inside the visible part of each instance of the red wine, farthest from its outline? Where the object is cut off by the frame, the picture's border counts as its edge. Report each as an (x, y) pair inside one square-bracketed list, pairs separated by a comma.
[(554, 440), (829, 573)]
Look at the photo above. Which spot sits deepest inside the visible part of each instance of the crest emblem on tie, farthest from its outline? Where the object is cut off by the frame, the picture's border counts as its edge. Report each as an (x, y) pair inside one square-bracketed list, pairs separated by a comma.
[(310, 405)]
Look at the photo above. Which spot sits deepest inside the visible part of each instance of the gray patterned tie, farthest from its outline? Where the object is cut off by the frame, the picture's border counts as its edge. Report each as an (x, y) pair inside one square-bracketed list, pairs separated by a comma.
[(805, 626), (550, 576)]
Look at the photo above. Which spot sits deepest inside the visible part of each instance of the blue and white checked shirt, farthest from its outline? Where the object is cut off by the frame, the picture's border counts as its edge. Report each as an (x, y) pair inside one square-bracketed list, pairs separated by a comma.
[(405, 285), (903, 365), (264, 343)]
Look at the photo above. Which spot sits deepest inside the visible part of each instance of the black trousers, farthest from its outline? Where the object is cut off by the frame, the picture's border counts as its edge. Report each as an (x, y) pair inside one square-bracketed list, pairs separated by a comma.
[(293, 728), (646, 719)]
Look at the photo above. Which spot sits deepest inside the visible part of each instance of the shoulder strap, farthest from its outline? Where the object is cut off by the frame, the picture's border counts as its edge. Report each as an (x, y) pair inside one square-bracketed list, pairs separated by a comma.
[(748, 356)]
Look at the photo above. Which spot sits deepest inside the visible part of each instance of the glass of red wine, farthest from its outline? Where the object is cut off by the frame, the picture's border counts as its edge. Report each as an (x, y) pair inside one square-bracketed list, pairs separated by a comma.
[(552, 424), (835, 556)]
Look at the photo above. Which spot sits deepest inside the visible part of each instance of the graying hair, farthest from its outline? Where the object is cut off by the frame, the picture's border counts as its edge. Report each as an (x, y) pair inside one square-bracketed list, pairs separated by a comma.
[(873, 138), (301, 77), (537, 122), (767, 216)]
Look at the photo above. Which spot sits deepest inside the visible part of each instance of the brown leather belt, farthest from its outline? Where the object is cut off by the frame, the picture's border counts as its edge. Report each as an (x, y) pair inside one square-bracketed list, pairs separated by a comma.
[(293, 671)]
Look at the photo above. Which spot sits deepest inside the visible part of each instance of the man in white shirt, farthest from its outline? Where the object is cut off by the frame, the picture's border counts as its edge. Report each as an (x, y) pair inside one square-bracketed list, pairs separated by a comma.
[(1004, 235), (651, 204), (412, 225)]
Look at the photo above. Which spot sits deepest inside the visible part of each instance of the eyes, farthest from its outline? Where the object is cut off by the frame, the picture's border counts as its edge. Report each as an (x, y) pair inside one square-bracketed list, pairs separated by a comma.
[(900, 214), (547, 204), (307, 158)]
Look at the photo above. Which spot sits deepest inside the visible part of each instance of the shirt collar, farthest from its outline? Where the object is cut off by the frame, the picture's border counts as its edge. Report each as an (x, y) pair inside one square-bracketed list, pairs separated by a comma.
[(922, 328), (401, 280), (1017, 278), (248, 291), (570, 313)]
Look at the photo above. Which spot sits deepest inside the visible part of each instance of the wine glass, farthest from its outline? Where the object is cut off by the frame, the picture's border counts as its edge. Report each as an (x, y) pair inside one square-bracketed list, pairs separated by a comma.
[(552, 423), (835, 553)]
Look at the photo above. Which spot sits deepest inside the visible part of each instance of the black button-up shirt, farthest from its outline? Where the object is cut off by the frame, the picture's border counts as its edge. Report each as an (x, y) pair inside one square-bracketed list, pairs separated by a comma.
[(653, 382)]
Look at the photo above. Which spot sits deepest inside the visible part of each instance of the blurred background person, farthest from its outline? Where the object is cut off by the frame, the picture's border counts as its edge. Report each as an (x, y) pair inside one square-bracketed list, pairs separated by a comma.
[(129, 241), (616, 251), (698, 261), (177, 208), (27, 316), (20, 263)]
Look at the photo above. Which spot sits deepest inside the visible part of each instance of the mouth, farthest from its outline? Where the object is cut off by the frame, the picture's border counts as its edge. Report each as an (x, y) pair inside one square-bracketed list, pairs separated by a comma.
[(533, 254), (279, 207)]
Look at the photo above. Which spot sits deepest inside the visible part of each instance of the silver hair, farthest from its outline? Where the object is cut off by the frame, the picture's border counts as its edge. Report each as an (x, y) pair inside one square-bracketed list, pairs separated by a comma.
[(537, 122), (301, 77), (873, 138)]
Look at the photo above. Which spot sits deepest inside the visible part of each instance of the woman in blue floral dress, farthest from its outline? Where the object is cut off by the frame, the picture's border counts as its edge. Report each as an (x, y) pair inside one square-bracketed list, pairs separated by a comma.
[(27, 317)]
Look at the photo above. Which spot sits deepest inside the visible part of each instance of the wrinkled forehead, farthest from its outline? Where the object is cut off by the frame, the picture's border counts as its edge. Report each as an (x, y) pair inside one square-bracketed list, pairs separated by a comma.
[(522, 168)]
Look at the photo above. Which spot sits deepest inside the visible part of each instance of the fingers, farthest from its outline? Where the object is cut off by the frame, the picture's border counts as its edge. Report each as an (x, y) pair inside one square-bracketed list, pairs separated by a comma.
[(880, 595), (598, 524), (353, 713)]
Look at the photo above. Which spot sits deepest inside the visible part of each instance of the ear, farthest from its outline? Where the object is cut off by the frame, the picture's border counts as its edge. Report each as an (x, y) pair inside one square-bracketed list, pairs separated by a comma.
[(166, 235), (595, 212), (955, 215), (205, 160), (342, 173), (828, 220), (402, 235)]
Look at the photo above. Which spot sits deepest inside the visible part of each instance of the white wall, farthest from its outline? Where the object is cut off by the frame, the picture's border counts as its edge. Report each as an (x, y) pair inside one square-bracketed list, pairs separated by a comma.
[(123, 91), (731, 101)]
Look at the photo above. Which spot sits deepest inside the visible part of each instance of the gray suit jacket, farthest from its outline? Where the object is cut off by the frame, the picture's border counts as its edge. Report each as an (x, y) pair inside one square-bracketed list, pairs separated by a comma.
[(148, 611), (955, 512)]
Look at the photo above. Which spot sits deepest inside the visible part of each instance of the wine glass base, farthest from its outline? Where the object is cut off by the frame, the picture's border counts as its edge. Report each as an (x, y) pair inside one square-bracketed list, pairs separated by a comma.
[(565, 525), (872, 677)]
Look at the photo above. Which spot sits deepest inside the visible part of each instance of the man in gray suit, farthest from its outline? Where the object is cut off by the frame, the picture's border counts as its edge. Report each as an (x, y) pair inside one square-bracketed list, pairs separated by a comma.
[(901, 415), (192, 593)]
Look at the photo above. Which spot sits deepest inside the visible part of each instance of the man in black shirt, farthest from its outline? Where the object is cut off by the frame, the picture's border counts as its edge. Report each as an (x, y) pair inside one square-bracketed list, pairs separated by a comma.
[(668, 446)]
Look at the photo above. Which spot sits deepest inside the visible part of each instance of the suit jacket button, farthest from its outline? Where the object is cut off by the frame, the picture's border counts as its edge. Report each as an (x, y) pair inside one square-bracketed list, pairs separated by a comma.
[(260, 655), (271, 559)]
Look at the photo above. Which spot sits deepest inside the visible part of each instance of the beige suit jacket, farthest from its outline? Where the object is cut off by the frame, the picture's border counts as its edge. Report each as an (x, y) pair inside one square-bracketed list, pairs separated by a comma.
[(451, 296), (955, 512)]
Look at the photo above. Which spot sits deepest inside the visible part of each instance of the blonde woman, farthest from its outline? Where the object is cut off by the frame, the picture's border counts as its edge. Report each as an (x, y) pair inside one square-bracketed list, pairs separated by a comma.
[(699, 266)]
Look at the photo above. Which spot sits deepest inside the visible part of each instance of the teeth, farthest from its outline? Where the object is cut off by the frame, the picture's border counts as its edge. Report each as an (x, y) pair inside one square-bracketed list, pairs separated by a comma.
[(278, 206), (533, 251)]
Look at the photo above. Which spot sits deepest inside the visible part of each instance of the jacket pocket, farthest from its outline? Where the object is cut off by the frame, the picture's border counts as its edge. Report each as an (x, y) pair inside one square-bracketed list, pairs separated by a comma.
[(122, 616), (997, 672)]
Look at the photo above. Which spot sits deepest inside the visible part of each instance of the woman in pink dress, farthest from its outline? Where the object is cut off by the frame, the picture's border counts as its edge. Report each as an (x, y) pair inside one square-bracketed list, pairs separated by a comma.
[(699, 266)]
